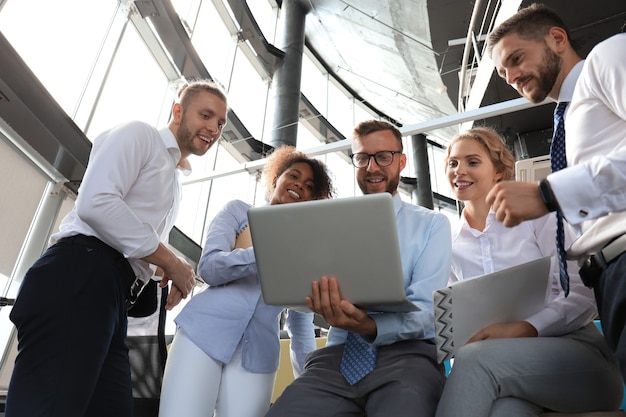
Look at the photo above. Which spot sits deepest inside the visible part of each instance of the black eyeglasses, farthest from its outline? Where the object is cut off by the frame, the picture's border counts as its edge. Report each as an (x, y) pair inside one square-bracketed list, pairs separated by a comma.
[(382, 158)]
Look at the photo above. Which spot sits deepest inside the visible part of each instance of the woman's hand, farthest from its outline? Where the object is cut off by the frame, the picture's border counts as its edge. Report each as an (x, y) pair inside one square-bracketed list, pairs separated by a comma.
[(505, 330)]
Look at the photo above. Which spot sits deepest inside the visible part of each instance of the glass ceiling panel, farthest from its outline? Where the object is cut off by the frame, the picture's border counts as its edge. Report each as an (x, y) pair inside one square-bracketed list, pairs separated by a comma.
[(59, 48)]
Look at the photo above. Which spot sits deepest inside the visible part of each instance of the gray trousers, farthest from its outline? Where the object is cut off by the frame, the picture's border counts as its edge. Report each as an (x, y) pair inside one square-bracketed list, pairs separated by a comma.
[(526, 376), (407, 381)]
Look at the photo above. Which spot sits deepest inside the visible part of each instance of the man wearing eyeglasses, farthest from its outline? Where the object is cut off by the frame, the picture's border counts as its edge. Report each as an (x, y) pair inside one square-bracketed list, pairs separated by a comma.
[(404, 378)]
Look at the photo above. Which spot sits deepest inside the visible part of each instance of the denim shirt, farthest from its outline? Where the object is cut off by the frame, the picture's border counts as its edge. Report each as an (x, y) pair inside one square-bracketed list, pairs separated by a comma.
[(231, 311)]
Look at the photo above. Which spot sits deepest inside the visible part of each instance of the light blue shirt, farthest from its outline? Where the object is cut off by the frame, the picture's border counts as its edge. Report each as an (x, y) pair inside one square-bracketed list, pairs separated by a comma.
[(231, 311), (425, 250)]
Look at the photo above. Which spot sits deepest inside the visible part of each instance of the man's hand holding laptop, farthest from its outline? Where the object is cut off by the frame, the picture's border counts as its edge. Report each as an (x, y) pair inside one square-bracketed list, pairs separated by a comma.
[(326, 300)]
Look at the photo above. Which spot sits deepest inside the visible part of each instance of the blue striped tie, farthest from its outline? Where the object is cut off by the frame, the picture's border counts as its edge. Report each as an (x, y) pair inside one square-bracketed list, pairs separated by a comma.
[(558, 161), (358, 360)]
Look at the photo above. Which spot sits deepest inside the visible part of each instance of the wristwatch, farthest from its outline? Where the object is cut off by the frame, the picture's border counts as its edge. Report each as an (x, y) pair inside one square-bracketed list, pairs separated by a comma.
[(547, 195)]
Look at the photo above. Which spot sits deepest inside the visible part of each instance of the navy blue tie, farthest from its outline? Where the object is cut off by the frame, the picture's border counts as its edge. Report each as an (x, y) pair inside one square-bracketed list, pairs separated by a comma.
[(358, 360), (558, 161)]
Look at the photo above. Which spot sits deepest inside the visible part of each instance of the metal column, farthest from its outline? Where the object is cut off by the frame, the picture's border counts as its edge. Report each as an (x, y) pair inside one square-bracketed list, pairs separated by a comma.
[(423, 192), (286, 80)]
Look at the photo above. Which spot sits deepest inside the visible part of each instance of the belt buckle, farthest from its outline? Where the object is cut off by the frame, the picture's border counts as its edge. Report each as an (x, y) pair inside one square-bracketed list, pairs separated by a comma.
[(136, 288)]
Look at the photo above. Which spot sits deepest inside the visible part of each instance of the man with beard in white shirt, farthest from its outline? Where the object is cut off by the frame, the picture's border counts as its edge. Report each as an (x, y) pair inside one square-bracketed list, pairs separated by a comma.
[(589, 191), (71, 310)]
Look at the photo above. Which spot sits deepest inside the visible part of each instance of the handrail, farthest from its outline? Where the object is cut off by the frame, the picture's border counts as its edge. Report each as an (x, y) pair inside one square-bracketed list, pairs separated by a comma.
[(468, 43), (423, 127)]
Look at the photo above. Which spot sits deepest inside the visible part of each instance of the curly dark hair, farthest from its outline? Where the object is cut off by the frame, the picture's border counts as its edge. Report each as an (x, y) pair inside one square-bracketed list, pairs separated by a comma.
[(285, 157)]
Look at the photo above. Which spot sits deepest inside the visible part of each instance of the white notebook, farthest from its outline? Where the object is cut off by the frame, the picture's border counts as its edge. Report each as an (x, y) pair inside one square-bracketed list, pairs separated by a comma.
[(512, 294)]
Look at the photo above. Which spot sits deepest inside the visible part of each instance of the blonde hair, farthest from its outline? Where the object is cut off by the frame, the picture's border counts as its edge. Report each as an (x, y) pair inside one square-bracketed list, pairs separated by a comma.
[(499, 154), (189, 90)]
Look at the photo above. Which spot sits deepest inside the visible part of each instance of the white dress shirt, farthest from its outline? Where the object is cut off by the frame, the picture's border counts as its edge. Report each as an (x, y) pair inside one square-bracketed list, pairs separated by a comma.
[(476, 252), (130, 193), (592, 190)]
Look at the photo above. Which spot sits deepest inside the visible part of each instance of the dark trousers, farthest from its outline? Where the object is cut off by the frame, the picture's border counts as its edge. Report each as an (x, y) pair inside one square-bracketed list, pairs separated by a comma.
[(71, 319), (610, 291), (407, 382)]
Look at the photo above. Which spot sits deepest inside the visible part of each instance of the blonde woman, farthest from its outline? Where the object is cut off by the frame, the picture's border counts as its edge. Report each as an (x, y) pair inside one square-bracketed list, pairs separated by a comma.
[(555, 360)]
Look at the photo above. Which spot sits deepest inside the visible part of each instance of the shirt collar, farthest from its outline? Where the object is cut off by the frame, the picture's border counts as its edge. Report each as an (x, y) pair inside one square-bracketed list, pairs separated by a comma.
[(465, 227), (397, 202), (172, 146), (569, 83)]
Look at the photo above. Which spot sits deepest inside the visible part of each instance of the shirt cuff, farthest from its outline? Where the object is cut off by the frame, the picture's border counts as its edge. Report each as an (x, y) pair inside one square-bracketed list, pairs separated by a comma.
[(576, 194), (542, 320), (386, 328)]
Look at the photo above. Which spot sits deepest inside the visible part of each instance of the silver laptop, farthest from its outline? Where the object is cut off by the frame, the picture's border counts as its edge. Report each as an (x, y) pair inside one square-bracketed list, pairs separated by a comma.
[(353, 239)]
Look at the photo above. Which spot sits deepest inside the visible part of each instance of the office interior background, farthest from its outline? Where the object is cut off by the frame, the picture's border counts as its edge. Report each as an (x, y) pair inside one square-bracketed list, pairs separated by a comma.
[(70, 69)]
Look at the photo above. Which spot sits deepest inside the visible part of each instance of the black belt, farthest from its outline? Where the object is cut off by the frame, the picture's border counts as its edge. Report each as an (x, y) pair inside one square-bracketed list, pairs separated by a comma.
[(134, 284), (595, 265), (90, 241)]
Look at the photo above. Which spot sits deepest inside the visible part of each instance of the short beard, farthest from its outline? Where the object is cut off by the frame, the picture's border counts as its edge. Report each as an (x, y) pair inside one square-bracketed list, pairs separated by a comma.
[(548, 73), (185, 137), (392, 185)]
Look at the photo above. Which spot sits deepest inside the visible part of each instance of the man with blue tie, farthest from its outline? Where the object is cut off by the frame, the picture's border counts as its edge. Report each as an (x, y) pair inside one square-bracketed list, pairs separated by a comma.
[(378, 364), (588, 183)]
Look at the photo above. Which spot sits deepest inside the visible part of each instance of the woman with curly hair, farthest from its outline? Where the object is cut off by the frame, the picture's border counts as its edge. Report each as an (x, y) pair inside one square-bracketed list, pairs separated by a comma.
[(225, 353)]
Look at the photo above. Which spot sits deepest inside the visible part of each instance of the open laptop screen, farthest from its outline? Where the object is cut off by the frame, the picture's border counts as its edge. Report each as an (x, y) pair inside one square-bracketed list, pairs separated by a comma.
[(353, 239)]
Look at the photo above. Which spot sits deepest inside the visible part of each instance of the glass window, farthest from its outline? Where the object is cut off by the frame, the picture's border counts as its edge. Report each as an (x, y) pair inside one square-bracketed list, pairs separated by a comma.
[(22, 187), (191, 216), (240, 186), (135, 89), (62, 53), (202, 200), (215, 45), (343, 174), (409, 169), (306, 139), (268, 131), (248, 95), (188, 12), (340, 110), (361, 113), (265, 16), (438, 178), (314, 84)]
